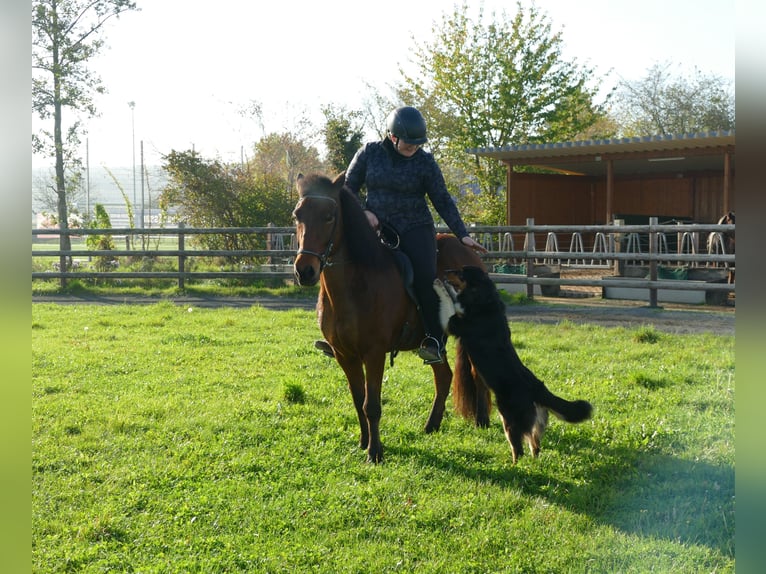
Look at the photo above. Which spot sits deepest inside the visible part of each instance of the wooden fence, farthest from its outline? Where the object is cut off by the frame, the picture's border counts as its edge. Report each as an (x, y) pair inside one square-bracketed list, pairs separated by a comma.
[(616, 247)]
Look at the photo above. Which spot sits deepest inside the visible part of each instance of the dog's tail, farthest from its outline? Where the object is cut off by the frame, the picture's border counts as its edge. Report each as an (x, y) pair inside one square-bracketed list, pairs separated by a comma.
[(470, 395), (570, 411)]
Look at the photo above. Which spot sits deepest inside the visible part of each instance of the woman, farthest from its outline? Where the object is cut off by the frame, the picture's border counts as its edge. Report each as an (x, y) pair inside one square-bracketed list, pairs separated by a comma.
[(398, 175)]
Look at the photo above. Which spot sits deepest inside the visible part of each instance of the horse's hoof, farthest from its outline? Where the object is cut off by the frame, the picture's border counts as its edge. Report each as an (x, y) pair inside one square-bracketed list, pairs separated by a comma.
[(375, 456)]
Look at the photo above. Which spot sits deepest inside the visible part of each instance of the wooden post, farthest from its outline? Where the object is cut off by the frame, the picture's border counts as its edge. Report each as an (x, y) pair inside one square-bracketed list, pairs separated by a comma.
[(616, 238), (609, 191), (508, 184), (63, 262), (181, 256), (269, 244), (529, 259), (726, 181), (652, 262)]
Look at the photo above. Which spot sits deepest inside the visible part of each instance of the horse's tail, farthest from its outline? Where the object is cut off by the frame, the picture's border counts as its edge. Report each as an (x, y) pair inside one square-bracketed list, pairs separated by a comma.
[(570, 411), (470, 395)]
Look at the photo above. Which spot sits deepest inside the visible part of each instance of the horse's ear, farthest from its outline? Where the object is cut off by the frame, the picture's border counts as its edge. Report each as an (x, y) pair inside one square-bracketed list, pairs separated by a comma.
[(339, 180)]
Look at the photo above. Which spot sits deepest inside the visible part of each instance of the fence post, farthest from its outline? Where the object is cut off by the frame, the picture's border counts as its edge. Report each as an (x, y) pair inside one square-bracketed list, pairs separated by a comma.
[(63, 262), (269, 243), (619, 264), (652, 262), (530, 260), (181, 256)]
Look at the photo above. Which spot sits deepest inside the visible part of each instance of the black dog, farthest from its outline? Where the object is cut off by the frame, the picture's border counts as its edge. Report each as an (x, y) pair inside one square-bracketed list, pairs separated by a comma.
[(471, 309)]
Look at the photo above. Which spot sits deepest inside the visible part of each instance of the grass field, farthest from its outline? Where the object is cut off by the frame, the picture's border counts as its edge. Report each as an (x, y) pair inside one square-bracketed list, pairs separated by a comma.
[(168, 439)]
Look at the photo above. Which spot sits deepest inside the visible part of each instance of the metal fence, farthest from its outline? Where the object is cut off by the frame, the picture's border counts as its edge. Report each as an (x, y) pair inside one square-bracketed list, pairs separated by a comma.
[(606, 247)]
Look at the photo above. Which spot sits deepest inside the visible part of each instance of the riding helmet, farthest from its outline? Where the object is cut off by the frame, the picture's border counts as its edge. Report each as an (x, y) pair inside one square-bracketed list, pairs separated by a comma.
[(408, 124)]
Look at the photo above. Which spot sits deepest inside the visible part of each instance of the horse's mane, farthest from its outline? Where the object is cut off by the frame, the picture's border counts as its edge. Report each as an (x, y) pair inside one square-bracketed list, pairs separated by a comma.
[(362, 243)]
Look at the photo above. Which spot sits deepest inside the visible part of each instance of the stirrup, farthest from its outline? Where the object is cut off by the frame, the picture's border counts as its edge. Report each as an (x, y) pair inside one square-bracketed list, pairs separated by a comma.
[(325, 347), (427, 352)]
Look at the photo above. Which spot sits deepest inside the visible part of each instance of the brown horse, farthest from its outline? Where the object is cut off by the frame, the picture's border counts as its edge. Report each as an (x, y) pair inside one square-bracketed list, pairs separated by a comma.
[(363, 307)]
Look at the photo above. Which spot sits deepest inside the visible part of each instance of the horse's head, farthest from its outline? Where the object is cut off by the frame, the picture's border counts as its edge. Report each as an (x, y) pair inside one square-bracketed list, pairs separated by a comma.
[(317, 227)]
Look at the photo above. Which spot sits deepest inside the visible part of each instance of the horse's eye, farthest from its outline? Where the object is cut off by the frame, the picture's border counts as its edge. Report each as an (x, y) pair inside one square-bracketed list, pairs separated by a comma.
[(329, 218)]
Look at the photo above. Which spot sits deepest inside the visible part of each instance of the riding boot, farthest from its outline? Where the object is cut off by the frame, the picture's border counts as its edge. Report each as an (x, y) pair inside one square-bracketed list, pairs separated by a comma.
[(420, 246)]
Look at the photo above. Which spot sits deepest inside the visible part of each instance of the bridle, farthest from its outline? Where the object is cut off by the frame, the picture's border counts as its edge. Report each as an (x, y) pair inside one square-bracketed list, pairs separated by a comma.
[(324, 258)]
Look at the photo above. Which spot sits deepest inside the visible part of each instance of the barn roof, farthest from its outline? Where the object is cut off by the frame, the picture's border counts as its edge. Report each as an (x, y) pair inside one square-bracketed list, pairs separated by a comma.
[(637, 155)]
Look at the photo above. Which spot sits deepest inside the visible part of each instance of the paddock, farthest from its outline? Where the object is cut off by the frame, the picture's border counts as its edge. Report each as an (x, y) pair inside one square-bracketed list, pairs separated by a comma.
[(531, 259)]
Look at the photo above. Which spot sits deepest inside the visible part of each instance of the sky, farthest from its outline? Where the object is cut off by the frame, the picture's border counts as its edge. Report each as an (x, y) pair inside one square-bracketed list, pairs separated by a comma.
[(193, 67)]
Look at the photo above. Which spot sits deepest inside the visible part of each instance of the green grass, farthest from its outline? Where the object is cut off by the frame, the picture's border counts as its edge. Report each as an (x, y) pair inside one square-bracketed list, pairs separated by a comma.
[(167, 288), (168, 439)]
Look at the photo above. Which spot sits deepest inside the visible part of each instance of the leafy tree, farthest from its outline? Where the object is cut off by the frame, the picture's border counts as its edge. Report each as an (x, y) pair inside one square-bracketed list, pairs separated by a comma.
[(283, 157), (208, 193), (343, 134), (66, 34), (494, 84), (666, 104)]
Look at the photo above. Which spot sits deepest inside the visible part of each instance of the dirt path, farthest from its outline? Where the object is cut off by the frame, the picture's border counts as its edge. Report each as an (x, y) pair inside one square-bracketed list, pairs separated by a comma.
[(670, 318), (610, 313)]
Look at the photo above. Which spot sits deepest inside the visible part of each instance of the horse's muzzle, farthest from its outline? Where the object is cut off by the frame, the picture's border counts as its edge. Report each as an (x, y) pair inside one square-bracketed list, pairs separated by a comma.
[(306, 273)]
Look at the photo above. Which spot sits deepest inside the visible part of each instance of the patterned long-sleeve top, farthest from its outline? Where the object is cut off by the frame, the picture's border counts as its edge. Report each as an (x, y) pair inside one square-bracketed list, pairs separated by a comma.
[(397, 187)]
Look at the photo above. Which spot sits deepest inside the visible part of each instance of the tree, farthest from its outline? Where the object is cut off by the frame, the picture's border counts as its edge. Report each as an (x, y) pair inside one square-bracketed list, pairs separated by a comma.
[(208, 193), (495, 84), (66, 34), (283, 157), (664, 104), (44, 192), (343, 134)]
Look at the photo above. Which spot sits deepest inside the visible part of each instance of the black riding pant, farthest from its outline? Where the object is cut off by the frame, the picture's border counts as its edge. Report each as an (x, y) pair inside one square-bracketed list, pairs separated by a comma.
[(419, 244)]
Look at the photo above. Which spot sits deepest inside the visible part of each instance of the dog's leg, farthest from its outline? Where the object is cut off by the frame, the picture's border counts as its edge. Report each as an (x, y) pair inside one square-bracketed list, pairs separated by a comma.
[(453, 293), (446, 305), (514, 436), (535, 437)]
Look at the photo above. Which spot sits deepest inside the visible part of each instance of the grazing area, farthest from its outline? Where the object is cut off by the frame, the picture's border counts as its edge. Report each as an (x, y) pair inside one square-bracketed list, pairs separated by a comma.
[(169, 438)]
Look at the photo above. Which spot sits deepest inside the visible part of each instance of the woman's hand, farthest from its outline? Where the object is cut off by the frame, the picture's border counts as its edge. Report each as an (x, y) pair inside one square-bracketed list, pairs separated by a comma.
[(468, 241)]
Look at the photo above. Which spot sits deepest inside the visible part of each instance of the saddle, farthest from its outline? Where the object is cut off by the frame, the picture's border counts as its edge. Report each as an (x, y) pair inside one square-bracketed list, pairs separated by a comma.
[(389, 237)]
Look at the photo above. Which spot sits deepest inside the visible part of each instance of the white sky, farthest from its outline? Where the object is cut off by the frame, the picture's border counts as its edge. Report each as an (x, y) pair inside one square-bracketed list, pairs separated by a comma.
[(190, 66)]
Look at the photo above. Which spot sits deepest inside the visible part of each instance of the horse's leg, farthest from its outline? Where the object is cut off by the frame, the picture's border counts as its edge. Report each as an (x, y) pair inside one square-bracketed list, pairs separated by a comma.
[(355, 375), (442, 380), (374, 366)]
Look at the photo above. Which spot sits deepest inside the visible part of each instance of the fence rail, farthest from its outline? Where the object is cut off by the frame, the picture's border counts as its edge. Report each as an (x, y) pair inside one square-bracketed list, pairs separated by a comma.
[(613, 246)]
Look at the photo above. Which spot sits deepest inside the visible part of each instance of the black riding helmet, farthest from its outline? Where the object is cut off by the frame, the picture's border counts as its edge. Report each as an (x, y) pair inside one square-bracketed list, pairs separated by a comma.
[(407, 124)]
